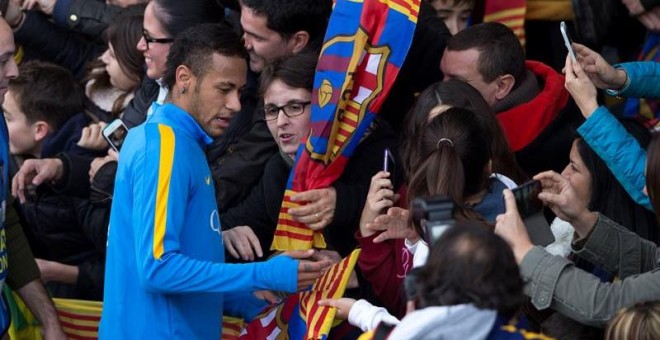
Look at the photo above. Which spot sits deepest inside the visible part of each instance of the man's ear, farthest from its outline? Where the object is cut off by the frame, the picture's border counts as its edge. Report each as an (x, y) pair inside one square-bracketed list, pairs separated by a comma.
[(41, 130), (184, 78), (505, 84), (298, 41)]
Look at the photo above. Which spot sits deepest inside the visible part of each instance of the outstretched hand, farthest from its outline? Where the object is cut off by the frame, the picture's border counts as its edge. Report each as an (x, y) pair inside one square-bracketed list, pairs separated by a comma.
[(393, 225), (35, 172), (308, 271), (343, 306)]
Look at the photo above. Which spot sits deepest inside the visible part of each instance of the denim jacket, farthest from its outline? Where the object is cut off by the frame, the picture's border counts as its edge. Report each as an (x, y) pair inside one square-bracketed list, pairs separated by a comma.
[(554, 282)]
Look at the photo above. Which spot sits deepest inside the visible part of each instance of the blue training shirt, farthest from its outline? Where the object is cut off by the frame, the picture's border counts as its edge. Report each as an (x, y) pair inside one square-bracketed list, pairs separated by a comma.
[(165, 275)]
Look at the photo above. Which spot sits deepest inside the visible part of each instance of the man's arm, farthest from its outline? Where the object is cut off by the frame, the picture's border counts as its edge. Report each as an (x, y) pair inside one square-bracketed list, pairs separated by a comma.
[(24, 277), (35, 297)]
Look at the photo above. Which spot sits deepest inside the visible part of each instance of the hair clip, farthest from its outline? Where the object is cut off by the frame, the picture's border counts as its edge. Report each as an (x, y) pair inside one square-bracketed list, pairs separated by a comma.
[(437, 146)]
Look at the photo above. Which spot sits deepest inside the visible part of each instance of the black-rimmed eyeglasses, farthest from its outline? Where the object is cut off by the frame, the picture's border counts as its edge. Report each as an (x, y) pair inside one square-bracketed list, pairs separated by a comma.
[(148, 39), (292, 109)]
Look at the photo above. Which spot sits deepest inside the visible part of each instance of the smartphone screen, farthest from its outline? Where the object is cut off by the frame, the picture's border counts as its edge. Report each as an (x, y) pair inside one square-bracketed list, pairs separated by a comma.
[(567, 40), (530, 208), (115, 133), (527, 198)]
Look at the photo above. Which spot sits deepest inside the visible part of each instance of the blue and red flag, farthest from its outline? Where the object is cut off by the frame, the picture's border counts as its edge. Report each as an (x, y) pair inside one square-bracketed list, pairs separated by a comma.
[(364, 48)]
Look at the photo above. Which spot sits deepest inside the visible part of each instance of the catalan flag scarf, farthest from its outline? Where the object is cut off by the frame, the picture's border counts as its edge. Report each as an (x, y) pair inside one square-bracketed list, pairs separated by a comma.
[(364, 48)]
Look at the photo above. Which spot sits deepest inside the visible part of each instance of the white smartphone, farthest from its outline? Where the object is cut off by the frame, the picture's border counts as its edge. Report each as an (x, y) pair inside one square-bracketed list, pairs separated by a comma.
[(115, 133), (567, 40)]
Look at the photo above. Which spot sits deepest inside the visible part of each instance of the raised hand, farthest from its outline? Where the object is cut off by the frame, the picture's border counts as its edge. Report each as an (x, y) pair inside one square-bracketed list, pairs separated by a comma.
[(580, 87), (560, 196), (601, 73), (380, 196)]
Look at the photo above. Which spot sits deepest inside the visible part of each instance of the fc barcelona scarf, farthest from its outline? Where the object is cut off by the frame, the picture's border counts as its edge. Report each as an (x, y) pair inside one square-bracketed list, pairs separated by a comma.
[(364, 48)]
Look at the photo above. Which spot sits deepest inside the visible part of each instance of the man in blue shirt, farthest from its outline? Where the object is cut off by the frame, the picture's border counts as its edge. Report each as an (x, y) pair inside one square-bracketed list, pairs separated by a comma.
[(165, 271)]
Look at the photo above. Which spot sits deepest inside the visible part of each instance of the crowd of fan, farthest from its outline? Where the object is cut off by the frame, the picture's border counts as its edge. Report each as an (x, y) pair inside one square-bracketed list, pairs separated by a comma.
[(469, 116)]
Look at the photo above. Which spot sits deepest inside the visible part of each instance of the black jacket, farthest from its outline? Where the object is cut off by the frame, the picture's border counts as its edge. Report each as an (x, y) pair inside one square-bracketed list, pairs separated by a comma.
[(89, 17), (46, 41)]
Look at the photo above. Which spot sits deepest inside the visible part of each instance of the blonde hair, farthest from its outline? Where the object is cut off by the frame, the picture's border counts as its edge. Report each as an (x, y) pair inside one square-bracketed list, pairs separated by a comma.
[(641, 321)]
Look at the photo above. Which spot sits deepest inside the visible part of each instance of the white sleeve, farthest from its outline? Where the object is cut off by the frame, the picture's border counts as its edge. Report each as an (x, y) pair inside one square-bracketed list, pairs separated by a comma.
[(367, 316)]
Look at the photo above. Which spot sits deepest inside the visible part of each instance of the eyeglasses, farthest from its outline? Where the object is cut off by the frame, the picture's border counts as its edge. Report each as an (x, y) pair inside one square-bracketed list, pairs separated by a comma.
[(292, 109), (148, 39)]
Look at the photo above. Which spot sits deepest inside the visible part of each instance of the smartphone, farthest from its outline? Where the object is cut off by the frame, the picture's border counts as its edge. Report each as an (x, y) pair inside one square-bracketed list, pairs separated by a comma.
[(567, 40), (530, 208), (388, 161), (115, 133)]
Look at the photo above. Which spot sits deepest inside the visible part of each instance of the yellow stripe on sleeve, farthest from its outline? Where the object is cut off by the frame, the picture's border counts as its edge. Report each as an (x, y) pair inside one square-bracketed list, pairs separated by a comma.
[(163, 189)]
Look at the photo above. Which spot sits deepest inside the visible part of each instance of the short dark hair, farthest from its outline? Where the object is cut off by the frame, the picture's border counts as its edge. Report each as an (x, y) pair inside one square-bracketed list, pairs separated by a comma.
[(470, 264), (195, 48), (296, 71), (287, 17), (177, 16), (500, 51), (47, 92)]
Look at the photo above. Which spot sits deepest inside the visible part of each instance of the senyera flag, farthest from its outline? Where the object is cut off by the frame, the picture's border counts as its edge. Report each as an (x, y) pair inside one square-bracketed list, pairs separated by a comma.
[(364, 48), (299, 316)]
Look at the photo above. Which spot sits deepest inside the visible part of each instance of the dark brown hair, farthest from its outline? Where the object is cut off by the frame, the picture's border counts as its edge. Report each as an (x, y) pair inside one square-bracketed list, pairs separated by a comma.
[(457, 93), (453, 159), (123, 35)]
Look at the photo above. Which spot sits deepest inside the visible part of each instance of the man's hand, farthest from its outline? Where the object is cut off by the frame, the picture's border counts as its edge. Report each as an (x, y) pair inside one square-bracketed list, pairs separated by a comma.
[(580, 87), (512, 229), (308, 271), (241, 242), (92, 137), (319, 209), (343, 306), (559, 195), (267, 295), (393, 225), (45, 6), (35, 172)]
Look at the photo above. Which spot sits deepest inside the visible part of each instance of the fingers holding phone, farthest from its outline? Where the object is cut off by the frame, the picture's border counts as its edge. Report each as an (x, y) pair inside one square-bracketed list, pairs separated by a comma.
[(115, 133)]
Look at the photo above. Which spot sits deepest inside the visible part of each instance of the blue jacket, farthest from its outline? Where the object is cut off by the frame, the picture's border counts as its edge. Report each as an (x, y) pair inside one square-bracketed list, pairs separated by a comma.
[(610, 140), (165, 276), (4, 184)]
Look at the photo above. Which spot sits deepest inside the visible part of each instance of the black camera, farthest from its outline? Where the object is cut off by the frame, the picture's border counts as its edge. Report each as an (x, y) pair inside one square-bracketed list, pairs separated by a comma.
[(434, 214)]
